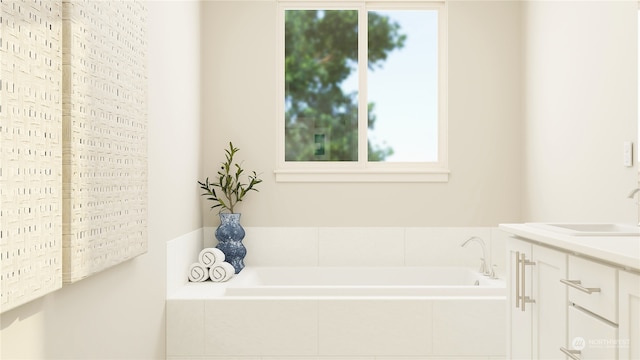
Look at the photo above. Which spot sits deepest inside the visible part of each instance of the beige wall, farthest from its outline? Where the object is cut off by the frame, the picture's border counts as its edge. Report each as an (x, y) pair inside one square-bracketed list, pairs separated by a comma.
[(580, 105), (239, 85), (119, 313)]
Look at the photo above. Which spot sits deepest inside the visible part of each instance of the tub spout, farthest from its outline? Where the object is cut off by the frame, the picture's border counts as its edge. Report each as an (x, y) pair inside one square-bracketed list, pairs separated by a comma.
[(484, 269)]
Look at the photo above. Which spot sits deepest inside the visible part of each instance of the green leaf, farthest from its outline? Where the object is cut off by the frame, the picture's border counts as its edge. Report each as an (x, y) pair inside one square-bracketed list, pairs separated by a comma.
[(230, 184)]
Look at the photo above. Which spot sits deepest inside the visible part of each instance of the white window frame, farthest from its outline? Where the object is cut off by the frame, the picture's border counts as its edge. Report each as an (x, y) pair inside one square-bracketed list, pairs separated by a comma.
[(363, 170)]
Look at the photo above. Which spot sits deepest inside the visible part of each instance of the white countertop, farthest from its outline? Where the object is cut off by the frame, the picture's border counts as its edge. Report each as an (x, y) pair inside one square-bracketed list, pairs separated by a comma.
[(623, 251)]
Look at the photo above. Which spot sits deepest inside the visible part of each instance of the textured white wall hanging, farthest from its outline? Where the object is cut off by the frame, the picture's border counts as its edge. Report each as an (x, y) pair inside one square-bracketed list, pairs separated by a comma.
[(73, 143), (30, 150), (104, 135)]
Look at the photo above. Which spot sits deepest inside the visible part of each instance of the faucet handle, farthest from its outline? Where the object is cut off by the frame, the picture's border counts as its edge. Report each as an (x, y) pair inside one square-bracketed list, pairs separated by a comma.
[(483, 267), (492, 275)]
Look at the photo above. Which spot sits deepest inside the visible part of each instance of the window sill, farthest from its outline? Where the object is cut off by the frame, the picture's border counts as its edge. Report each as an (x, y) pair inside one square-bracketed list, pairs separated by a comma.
[(363, 175)]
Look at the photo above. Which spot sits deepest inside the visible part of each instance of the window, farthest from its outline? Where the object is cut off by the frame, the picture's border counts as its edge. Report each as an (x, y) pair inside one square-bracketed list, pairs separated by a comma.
[(363, 92)]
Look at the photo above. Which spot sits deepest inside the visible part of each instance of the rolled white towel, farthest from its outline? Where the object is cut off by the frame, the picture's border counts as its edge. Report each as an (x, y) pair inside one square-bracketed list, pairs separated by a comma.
[(221, 272), (198, 272), (210, 257)]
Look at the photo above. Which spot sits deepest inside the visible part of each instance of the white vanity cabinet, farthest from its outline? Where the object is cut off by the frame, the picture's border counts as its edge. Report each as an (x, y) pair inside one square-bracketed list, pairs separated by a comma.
[(564, 305), (629, 315), (593, 316), (537, 301)]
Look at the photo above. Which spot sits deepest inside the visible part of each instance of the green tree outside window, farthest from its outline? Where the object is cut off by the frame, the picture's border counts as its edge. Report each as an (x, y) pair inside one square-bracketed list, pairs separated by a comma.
[(321, 51)]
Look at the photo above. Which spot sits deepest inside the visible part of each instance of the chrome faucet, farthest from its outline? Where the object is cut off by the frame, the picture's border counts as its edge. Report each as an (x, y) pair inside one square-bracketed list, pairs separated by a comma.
[(484, 269), (632, 194)]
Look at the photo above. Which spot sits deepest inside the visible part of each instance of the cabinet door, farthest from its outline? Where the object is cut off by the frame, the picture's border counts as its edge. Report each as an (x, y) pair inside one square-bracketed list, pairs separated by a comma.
[(550, 307), (519, 322), (593, 337), (629, 315)]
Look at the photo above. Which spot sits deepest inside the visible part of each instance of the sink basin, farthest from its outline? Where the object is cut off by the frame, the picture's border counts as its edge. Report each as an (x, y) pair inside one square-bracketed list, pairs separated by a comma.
[(591, 229)]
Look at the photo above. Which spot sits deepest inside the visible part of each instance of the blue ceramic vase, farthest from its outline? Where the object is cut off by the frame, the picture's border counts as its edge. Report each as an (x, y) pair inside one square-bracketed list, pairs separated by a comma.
[(230, 234)]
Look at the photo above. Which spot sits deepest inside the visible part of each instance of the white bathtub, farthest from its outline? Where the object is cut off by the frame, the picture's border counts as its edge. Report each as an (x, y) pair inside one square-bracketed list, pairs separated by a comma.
[(326, 312), (364, 281), (321, 313)]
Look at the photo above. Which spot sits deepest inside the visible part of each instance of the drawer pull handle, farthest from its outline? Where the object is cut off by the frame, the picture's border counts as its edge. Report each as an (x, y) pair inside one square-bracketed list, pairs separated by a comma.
[(577, 284), (574, 354), (524, 299), (517, 279)]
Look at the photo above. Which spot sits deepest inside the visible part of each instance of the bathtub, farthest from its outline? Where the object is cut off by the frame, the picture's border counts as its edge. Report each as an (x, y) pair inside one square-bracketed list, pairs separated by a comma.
[(322, 313), (364, 281)]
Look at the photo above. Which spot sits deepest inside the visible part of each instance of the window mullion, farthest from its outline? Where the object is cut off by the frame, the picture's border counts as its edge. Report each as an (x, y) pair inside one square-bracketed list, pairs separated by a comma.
[(363, 113)]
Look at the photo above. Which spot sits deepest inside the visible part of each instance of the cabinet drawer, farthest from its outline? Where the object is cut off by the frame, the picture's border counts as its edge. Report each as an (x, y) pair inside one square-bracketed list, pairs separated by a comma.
[(593, 275), (594, 338)]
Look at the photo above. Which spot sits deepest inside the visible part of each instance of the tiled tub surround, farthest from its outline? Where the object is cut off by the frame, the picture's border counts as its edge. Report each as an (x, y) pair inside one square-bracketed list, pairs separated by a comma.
[(365, 246), (204, 322)]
